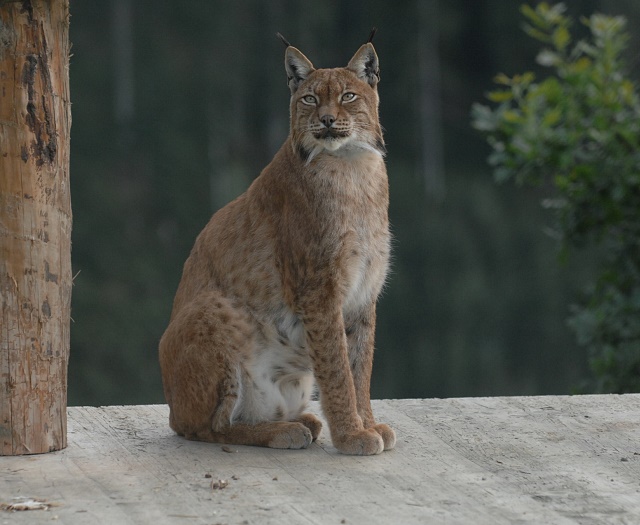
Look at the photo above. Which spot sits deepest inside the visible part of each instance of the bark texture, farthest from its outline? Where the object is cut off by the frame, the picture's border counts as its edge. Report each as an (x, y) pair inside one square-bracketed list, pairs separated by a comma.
[(35, 225)]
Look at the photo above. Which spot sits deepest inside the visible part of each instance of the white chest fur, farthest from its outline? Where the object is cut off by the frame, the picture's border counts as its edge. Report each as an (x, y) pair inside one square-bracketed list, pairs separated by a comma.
[(367, 242), (278, 381)]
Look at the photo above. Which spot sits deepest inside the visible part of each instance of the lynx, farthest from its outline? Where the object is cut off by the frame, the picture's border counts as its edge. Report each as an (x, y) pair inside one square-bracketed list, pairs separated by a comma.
[(278, 296)]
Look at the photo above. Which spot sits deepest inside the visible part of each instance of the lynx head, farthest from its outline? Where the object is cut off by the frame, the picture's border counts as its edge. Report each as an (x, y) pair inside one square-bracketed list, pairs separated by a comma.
[(334, 110)]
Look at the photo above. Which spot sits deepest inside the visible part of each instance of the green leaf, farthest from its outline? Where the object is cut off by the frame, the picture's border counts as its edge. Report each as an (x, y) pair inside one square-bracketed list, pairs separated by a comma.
[(627, 91), (582, 64), (532, 15), (527, 77), (561, 37), (512, 116), (537, 34), (503, 79), (500, 96), (552, 117), (551, 90), (483, 119)]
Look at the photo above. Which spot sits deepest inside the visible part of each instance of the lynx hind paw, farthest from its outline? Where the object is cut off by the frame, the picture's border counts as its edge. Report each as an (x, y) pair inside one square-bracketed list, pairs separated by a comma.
[(365, 442), (292, 435), (312, 423), (387, 434)]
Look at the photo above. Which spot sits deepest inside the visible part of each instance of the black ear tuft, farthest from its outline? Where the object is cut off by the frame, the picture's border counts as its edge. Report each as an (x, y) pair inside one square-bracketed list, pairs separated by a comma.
[(284, 40), (374, 30)]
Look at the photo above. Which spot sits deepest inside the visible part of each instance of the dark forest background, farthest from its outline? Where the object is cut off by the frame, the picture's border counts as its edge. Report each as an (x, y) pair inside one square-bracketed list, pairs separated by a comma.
[(177, 106)]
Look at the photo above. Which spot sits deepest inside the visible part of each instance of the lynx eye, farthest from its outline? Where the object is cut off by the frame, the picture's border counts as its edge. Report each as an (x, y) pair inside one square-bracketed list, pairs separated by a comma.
[(348, 97), (310, 100)]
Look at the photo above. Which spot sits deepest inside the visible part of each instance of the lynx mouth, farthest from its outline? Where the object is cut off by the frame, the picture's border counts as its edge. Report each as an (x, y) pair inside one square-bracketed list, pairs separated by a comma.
[(330, 133)]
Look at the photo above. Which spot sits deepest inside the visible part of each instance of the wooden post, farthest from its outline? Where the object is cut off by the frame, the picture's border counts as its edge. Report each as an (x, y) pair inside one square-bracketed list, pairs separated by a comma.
[(35, 225)]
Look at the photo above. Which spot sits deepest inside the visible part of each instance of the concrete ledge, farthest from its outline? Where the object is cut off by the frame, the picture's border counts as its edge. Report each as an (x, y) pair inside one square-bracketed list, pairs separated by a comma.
[(512, 460)]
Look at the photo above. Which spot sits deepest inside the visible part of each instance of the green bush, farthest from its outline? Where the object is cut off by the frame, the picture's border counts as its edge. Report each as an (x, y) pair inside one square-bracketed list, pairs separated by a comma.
[(577, 131)]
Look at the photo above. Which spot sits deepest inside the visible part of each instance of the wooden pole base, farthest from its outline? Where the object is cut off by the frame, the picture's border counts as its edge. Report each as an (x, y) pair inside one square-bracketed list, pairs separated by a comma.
[(35, 225)]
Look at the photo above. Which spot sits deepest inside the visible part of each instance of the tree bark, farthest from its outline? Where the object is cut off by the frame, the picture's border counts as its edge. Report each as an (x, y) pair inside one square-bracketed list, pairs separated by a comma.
[(35, 225)]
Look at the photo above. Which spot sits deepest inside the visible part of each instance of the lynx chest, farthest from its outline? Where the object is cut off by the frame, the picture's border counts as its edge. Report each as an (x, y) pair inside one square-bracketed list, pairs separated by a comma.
[(357, 203)]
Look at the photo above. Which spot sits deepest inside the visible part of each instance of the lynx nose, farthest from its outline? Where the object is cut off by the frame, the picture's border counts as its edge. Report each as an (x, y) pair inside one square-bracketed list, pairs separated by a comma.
[(327, 120)]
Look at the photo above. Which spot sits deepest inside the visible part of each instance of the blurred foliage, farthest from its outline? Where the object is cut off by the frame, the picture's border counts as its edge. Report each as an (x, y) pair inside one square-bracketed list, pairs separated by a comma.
[(578, 130), (475, 303)]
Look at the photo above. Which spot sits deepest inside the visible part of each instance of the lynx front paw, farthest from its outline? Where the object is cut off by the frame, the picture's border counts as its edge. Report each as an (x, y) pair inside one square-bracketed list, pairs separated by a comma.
[(362, 443), (387, 434), (291, 435), (312, 423)]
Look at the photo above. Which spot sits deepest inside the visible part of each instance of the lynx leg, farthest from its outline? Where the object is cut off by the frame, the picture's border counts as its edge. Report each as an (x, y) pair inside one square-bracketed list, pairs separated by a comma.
[(327, 340), (272, 434), (200, 354), (360, 337)]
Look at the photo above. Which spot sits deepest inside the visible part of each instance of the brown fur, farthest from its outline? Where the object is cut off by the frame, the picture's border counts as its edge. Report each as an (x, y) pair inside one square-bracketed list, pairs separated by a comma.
[(281, 285)]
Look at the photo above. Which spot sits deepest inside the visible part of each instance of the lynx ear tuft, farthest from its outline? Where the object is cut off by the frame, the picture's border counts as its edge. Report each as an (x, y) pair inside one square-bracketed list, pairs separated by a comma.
[(283, 40), (298, 68), (365, 63)]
